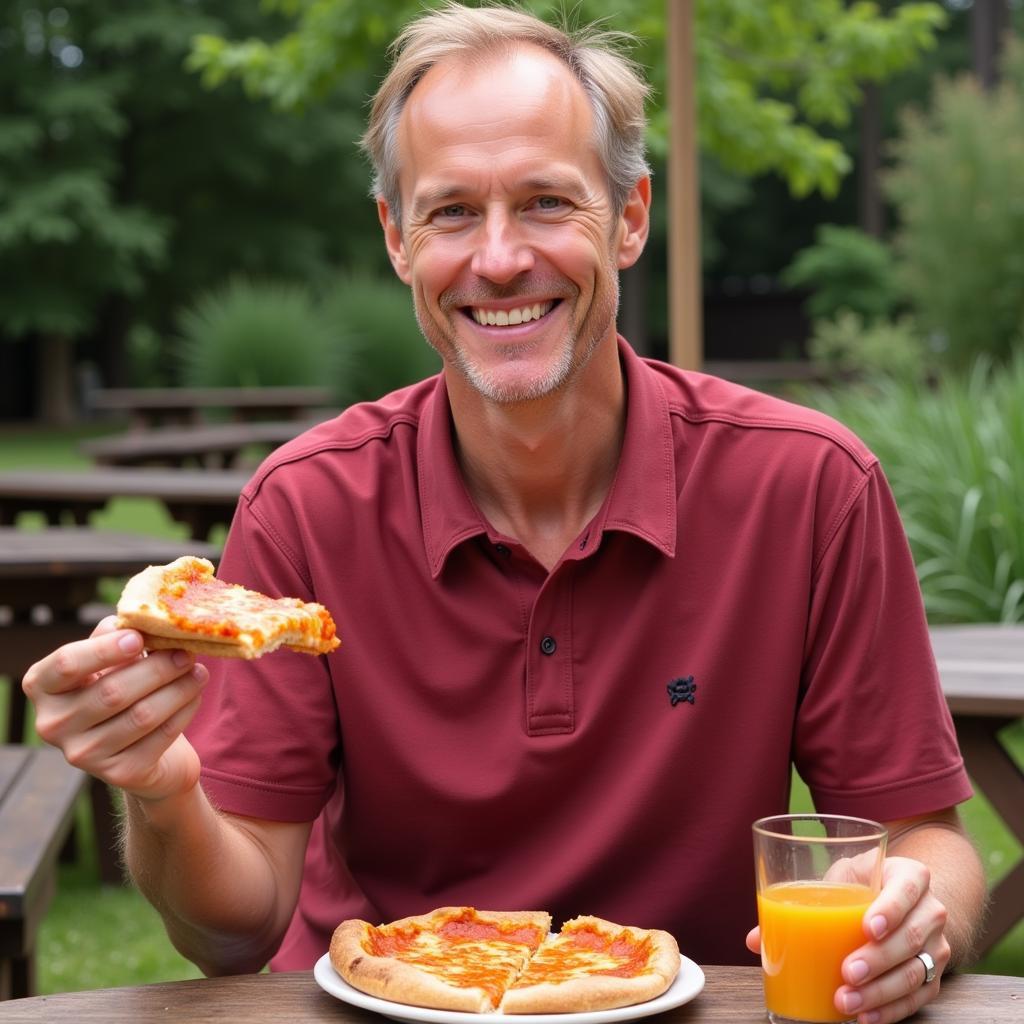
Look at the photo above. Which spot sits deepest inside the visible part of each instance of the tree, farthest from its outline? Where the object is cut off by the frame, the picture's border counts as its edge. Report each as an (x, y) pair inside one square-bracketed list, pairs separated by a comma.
[(773, 75), (126, 187)]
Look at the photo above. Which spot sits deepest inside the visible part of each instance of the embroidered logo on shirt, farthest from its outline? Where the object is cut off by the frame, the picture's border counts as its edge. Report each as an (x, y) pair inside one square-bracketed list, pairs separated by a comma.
[(682, 689)]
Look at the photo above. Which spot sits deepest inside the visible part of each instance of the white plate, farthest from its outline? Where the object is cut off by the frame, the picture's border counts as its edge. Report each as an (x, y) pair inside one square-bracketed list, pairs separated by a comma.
[(687, 984)]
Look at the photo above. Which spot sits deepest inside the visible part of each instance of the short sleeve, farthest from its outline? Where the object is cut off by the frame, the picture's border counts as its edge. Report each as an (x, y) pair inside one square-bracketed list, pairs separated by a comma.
[(873, 735)]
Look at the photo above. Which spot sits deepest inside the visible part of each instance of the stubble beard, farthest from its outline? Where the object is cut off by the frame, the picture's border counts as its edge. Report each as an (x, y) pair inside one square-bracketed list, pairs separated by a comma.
[(441, 334)]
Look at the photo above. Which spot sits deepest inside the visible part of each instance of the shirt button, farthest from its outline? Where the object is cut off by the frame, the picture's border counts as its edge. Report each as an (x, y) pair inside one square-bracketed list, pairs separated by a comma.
[(548, 645), (501, 549)]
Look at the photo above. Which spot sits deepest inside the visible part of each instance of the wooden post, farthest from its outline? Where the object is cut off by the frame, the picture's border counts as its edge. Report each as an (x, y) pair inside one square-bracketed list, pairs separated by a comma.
[(685, 343)]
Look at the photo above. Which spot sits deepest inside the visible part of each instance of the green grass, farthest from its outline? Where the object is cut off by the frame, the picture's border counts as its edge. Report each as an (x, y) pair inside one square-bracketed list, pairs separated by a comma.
[(101, 936)]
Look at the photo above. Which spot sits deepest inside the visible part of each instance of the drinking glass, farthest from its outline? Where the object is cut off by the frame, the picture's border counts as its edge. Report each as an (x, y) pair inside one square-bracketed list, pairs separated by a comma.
[(817, 874)]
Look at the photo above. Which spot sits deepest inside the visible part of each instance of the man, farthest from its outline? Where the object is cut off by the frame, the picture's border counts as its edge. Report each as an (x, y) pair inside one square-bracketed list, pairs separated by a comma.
[(592, 607)]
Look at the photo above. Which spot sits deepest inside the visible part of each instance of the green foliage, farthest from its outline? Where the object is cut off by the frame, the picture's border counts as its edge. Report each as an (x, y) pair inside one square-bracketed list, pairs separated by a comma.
[(251, 334), (376, 344), (771, 73), (845, 269), (858, 347), (953, 454), (959, 190)]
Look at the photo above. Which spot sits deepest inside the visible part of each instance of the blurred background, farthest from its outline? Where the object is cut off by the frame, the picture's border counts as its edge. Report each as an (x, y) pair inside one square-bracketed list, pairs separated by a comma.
[(183, 203)]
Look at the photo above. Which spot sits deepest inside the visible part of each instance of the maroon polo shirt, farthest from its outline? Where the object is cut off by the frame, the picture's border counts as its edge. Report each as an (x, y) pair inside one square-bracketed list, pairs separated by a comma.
[(594, 740)]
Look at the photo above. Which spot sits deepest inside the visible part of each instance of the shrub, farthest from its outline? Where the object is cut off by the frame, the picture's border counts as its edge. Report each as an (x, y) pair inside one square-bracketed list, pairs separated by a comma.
[(845, 269), (250, 334), (375, 343), (953, 454), (958, 187), (854, 347)]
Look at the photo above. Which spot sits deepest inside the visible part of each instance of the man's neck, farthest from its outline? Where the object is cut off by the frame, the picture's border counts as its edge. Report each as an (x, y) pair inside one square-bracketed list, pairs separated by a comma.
[(539, 471)]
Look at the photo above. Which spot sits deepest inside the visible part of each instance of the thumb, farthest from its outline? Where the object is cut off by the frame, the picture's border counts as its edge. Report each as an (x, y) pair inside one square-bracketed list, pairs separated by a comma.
[(754, 940)]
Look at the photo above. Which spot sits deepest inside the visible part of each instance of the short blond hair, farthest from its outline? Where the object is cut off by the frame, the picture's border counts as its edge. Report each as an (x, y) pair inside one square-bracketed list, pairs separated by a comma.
[(611, 80)]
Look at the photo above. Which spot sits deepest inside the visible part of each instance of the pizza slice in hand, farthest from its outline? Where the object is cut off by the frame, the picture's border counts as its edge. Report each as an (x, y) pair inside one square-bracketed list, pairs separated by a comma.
[(184, 606)]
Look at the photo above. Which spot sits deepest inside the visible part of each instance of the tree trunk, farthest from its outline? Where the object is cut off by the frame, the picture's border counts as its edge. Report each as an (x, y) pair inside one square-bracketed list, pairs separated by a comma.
[(55, 382)]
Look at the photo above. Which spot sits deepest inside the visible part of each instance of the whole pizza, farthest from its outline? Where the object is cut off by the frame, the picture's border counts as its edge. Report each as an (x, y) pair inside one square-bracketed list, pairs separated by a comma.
[(482, 961)]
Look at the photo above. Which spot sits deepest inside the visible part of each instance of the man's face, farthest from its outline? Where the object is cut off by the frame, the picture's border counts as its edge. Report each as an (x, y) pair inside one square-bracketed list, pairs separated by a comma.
[(508, 239)]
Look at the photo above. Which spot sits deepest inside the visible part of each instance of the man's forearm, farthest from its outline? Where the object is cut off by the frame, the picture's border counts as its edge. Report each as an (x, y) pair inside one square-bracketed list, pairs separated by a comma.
[(215, 887), (957, 877)]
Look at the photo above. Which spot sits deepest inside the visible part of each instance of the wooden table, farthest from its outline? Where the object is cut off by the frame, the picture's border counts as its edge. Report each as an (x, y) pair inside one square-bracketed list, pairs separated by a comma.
[(201, 499), (38, 792), (150, 407), (982, 673), (732, 995), (47, 577), (216, 445)]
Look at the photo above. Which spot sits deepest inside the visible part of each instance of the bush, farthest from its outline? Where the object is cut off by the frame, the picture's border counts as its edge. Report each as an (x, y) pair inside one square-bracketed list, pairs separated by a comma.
[(845, 269), (253, 334), (854, 347), (953, 455), (958, 186), (375, 343)]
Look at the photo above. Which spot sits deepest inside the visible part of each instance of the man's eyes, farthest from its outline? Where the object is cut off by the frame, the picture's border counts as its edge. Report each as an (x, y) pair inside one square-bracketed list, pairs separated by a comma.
[(452, 210), (457, 211), (550, 202)]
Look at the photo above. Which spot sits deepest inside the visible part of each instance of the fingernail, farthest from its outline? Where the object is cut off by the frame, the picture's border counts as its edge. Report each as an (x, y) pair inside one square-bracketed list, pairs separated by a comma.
[(878, 926), (852, 1002), (857, 972), (130, 643), (181, 658), (200, 673), (873, 1017)]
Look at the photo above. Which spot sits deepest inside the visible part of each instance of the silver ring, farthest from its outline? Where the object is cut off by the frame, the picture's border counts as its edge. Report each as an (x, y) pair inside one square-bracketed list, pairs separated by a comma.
[(929, 967)]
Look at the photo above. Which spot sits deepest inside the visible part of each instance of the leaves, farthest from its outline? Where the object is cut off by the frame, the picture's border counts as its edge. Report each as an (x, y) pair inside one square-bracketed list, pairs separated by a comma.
[(771, 73)]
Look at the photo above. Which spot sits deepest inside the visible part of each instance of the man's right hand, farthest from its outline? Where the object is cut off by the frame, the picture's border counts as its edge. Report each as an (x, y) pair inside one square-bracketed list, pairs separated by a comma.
[(117, 714)]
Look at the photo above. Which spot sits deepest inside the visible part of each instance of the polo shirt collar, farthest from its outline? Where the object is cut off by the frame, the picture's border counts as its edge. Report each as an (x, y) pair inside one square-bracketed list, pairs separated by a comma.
[(641, 501)]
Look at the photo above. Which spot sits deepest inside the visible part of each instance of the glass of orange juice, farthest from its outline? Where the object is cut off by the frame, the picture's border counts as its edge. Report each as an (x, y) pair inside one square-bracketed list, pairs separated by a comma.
[(817, 874)]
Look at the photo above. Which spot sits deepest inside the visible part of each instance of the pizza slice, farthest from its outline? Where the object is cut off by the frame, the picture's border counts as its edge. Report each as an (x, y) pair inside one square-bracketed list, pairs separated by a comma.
[(593, 964), (183, 605), (454, 958)]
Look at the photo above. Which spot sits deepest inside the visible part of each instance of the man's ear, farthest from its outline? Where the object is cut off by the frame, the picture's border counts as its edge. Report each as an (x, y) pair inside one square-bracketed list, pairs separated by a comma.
[(393, 241), (634, 223)]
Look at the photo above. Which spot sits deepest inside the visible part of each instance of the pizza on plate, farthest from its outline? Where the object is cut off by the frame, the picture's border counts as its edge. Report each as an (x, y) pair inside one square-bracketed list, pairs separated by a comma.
[(184, 606), (460, 958)]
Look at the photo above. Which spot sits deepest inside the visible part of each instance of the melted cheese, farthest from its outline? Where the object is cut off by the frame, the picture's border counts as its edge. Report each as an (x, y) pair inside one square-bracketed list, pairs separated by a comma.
[(582, 953), (193, 599)]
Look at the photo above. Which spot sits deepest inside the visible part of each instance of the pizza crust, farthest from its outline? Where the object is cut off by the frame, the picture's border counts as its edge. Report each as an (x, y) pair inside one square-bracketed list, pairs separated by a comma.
[(140, 607)]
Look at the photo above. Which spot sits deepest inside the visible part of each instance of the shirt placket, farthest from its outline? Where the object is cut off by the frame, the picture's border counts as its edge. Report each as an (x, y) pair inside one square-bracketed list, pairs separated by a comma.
[(550, 697)]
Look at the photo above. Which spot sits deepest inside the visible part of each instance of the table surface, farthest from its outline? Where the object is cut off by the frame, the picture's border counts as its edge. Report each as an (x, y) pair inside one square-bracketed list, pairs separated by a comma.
[(62, 552), (981, 668), (732, 994), (100, 484)]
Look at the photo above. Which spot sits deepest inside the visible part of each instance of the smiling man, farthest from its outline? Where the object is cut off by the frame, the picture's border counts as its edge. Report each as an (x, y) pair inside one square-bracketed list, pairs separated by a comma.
[(593, 608)]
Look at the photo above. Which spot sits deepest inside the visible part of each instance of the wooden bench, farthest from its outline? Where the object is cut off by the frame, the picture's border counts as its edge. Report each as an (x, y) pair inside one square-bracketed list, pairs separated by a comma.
[(38, 790)]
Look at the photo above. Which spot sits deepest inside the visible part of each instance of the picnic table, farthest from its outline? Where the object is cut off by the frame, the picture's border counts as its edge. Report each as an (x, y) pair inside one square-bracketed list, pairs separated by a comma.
[(218, 445), (981, 668), (49, 581), (731, 995), (149, 407), (38, 792), (200, 498)]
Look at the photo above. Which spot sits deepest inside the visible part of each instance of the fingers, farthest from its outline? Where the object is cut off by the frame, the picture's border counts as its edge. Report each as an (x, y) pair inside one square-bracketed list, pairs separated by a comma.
[(71, 666), (754, 940), (124, 708), (884, 978)]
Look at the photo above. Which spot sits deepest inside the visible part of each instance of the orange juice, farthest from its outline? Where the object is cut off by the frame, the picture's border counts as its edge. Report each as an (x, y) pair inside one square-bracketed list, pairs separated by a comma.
[(807, 929)]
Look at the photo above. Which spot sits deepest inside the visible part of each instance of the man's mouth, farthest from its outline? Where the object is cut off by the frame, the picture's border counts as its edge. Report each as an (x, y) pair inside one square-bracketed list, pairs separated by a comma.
[(510, 317)]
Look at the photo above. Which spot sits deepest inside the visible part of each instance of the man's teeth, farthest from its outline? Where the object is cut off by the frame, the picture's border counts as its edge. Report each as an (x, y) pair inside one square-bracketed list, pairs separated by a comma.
[(510, 317)]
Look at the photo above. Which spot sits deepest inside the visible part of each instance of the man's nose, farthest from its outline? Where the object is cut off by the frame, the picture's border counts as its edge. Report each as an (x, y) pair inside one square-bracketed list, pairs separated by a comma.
[(501, 250)]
